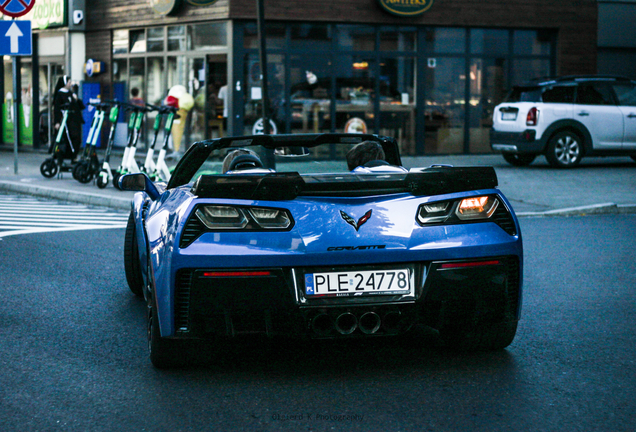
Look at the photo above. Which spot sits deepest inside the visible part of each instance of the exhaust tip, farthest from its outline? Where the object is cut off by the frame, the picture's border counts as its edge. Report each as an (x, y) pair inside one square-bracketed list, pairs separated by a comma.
[(369, 323), (392, 321), (346, 323), (322, 324)]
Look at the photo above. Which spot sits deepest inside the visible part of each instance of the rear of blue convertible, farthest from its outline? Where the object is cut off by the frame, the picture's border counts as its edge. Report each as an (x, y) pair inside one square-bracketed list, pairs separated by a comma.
[(362, 254)]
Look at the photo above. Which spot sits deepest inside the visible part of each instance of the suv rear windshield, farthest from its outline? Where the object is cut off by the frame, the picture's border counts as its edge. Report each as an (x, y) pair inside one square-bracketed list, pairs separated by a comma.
[(548, 94)]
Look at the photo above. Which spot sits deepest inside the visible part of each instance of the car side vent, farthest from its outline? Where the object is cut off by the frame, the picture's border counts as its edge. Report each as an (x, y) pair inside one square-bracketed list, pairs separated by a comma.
[(503, 218), (192, 230), (182, 301)]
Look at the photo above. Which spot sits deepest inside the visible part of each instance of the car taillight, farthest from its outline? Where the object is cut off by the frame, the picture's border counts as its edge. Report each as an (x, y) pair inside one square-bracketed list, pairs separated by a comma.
[(533, 117)]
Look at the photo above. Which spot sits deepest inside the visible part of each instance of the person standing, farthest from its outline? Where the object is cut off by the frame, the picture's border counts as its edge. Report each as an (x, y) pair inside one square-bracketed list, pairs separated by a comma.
[(66, 99)]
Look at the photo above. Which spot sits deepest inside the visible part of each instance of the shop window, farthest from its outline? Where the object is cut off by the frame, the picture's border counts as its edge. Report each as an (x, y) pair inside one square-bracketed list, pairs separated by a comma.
[(492, 42), (176, 38), (355, 38), (137, 41), (254, 93), (207, 36), (524, 70), (487, 89), (120, 41), (445, 40), (397, 39), (155, 39), (310, 36), (445, 85), (275, 36), (310, 80), (397, 101), (532, 42)]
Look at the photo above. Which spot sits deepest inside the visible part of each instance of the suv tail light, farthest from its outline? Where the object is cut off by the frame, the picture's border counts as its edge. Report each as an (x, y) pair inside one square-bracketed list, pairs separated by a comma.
[(533, 117)]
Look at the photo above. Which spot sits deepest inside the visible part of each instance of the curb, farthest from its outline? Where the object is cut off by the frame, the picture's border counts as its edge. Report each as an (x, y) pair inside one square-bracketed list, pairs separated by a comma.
[(596, 209), (68, 196)]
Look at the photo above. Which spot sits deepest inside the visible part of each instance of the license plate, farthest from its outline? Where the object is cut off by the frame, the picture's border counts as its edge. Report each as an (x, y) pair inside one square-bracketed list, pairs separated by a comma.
[(394, 281), (509, 115)]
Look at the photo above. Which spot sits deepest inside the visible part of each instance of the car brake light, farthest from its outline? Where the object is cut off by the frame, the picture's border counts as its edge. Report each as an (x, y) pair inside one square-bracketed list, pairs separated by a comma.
[(533, 117)]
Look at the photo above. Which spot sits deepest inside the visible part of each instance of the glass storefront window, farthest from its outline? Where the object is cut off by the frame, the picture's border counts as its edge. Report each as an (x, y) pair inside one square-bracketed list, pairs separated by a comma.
[(445, 40), (397, 101), (155, 91), (491, 42), (487, 89), (525, 70), (310, 91), (196, 87), (207, 36), (398, 39), (155, 39), (532, 42), (355, 93), (254, 93), (355, 37), (176, 38), (137, 41), (314, 36), (445, 86), (120, 41), (275, 36)]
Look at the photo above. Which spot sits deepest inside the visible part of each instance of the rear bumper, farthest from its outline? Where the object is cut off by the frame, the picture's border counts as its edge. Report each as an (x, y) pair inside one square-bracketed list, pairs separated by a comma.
[(487, 290), (516, 142)]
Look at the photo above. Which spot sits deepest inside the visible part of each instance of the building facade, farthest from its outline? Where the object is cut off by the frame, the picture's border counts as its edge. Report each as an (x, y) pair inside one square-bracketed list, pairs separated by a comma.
[(429, 77)]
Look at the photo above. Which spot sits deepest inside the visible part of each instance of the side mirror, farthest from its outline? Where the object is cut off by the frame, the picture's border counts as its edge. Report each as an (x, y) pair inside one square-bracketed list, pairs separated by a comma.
[(139, 182)]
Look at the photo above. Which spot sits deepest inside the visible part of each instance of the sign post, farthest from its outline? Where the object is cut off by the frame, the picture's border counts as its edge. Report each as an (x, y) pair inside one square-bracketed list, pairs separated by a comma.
[(16, 40)]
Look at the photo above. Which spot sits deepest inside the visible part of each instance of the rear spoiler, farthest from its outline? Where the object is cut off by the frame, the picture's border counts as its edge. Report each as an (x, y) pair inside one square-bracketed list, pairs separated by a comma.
[(289, 185)]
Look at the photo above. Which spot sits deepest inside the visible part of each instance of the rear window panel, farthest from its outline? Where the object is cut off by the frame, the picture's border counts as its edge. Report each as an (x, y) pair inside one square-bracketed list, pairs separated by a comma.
[(548, 94), (559, 94)]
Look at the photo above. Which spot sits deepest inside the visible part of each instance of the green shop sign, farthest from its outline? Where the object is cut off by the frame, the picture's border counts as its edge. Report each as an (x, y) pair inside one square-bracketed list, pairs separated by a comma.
[(406, 7), (47, 14)]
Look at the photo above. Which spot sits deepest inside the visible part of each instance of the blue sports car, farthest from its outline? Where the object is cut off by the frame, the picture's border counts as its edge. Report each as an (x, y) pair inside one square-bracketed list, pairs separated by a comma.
[(277, 234)]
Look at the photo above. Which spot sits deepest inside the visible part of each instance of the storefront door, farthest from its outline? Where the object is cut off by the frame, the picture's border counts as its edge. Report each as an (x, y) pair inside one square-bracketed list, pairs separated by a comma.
[(49, 73)]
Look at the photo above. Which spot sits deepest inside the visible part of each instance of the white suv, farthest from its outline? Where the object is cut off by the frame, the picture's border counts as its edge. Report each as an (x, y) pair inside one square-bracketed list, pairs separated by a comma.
[(565, 119)]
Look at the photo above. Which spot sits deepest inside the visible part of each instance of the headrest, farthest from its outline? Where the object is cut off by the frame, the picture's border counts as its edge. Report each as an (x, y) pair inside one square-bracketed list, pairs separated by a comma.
[(245, 161)]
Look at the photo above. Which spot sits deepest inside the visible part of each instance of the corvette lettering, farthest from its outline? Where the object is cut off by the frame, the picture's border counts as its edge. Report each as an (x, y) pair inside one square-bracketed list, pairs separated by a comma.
[(353, 248)]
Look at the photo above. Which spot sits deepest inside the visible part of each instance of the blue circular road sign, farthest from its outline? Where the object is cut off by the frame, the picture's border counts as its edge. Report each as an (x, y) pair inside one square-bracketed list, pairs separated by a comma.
[(16, 8)]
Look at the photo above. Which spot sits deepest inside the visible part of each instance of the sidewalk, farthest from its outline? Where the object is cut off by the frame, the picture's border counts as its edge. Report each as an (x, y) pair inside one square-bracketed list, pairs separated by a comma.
[(599, 185)]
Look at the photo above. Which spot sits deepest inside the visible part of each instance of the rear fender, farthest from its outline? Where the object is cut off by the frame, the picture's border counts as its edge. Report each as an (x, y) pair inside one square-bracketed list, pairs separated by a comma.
[(578, 127)]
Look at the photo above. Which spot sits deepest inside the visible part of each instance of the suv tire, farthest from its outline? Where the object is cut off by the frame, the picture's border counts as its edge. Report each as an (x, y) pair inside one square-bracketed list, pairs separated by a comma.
[(519, 159), (565, 150)]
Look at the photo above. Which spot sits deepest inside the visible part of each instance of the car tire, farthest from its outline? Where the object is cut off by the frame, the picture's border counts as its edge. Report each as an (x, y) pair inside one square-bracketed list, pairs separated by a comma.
[(565, 150), (164, 353), (519, 159), (483, 337), (132, 265)]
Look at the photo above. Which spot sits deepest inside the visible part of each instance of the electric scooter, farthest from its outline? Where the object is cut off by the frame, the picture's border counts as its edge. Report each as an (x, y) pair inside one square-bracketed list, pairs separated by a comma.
[(55, 164), (149, 164), (128, 163), (105, 175), (161, 171), (88, 166)]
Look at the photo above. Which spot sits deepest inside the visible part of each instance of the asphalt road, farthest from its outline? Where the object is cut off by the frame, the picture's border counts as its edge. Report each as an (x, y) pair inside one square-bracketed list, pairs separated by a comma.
[(73, 354)]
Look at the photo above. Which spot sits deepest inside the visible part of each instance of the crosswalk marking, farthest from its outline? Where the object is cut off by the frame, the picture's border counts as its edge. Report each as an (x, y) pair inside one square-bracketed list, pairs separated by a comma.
[(25, 215)]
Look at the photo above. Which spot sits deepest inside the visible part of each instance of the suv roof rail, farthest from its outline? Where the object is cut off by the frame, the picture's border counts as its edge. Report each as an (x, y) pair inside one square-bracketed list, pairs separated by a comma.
[(552, 79)]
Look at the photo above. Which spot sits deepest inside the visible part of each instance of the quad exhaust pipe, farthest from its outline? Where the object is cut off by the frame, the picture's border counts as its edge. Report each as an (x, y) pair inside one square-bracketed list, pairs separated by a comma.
[(322, 324)]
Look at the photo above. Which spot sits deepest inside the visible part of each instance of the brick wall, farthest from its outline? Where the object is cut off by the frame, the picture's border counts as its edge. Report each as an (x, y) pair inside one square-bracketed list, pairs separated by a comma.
[(574, 20)]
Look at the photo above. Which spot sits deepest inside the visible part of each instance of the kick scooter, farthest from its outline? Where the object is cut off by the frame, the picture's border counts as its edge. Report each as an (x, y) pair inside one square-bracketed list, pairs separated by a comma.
[(161, 171), (149, 164), (128, 163), (105, 175), (88, 166), (55, 164)]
